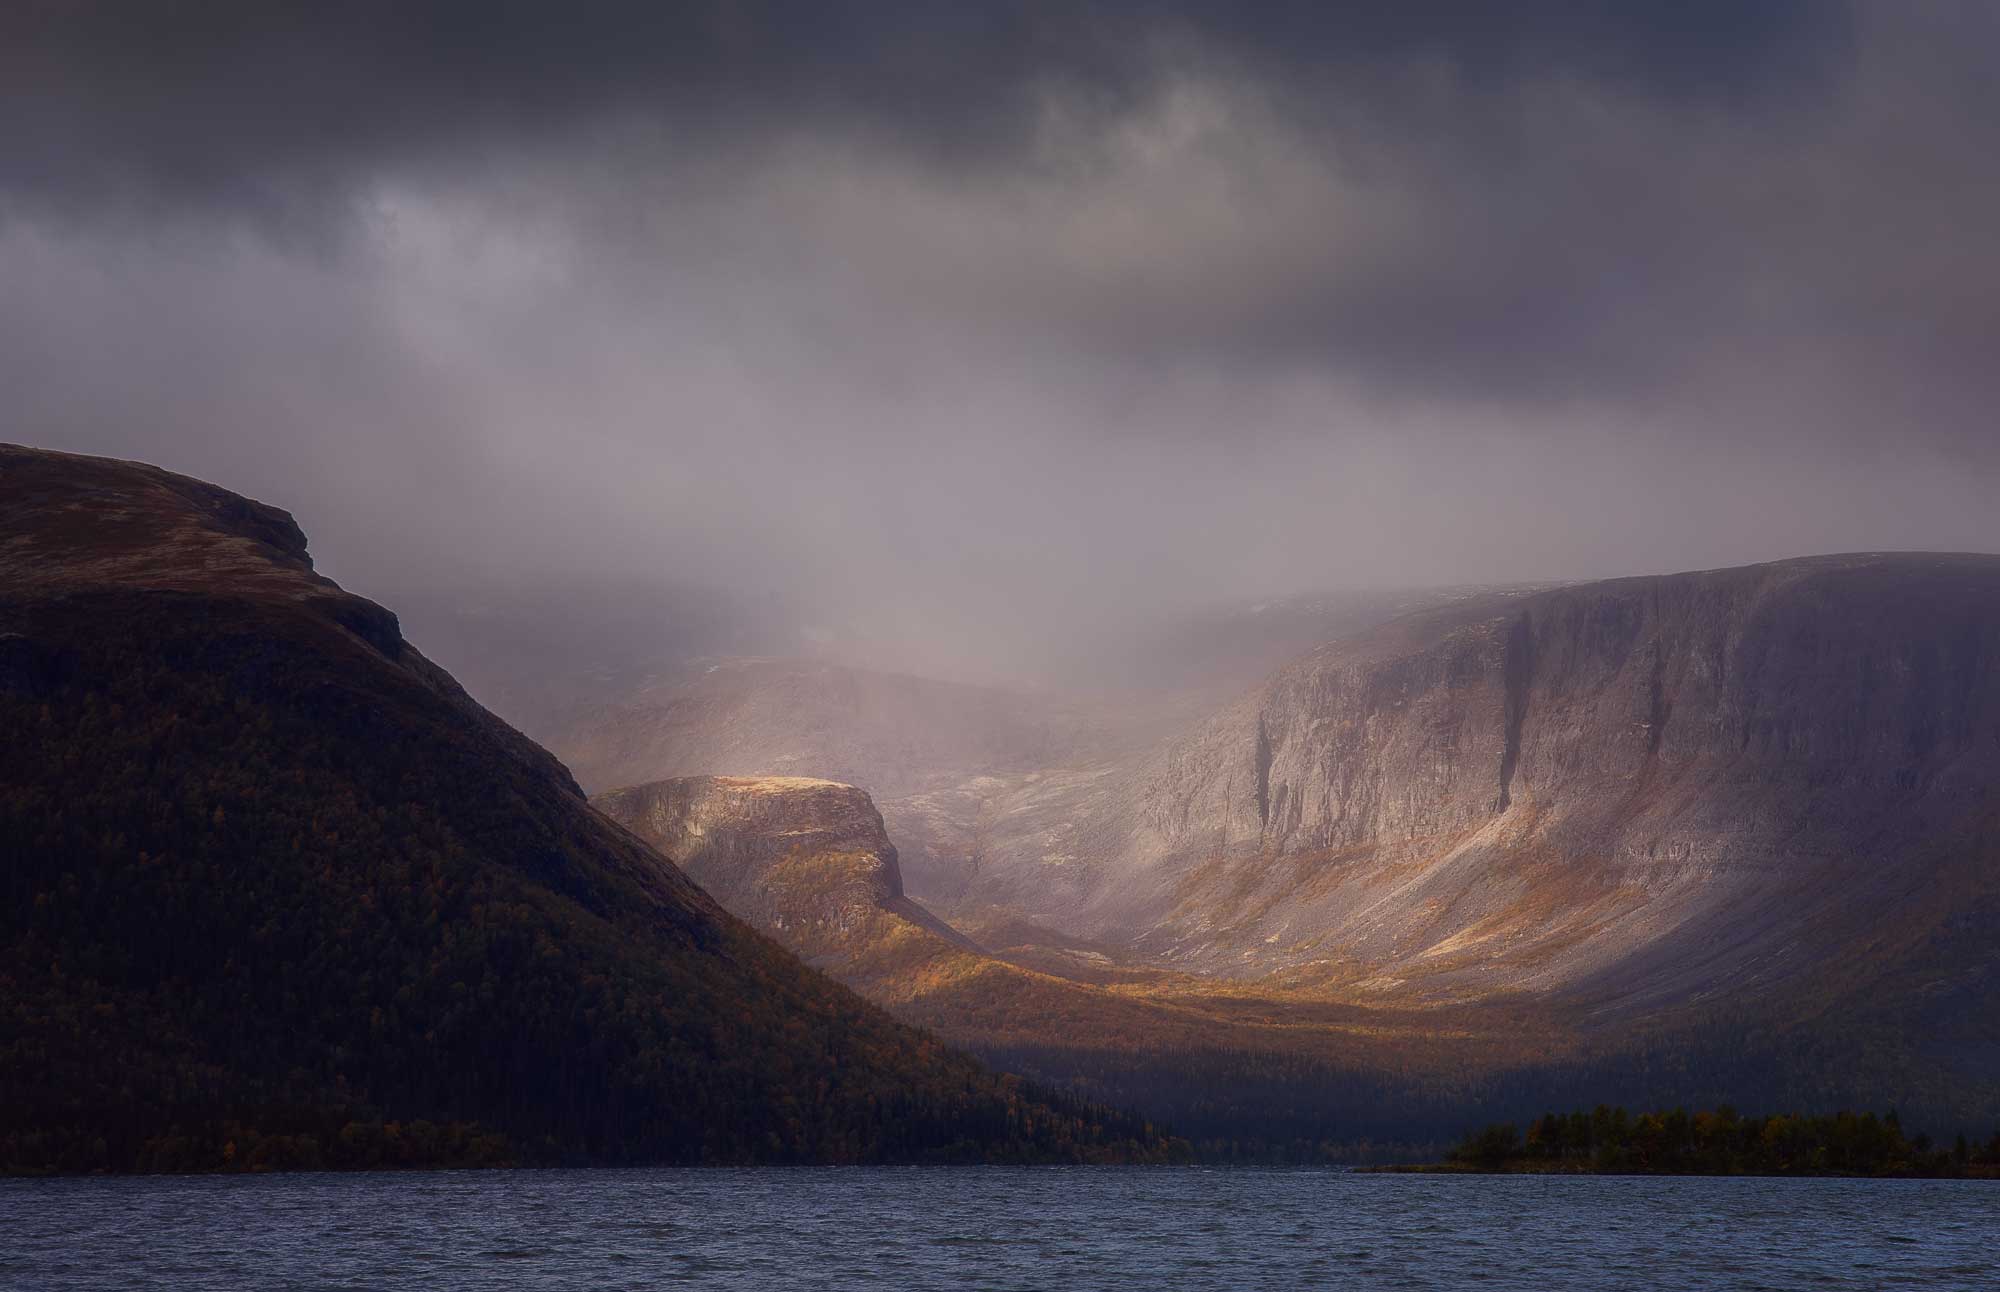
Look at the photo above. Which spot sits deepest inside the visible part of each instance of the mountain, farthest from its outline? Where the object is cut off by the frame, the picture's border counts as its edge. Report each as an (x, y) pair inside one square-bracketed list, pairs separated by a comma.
[(1726, 835), (279, 893), (1633, 792)]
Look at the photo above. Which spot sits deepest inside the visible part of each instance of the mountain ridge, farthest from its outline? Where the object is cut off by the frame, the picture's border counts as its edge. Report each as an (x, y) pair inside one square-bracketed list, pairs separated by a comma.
[(1690, 709)]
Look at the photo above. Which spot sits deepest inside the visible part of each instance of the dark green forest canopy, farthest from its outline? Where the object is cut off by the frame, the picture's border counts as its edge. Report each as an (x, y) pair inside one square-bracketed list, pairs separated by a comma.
[(276, 893), (1721, 1142)]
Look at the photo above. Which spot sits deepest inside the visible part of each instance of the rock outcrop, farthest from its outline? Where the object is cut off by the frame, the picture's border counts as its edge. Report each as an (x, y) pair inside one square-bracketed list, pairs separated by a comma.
[(806, 860)]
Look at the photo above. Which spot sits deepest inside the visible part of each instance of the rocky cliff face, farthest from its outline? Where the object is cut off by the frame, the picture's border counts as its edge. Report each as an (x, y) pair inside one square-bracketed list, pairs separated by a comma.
[(806, 860), (1646, 788)]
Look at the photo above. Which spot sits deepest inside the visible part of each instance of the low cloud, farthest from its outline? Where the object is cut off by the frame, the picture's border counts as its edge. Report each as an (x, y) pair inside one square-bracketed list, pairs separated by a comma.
[(969, 329)]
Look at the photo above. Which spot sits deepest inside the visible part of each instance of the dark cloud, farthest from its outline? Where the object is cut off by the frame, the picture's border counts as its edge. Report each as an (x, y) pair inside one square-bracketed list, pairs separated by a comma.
[(987, 323), (273, 107)]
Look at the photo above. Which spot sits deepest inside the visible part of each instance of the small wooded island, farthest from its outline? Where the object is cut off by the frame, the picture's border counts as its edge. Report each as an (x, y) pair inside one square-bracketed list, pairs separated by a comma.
[(1613, 1141)]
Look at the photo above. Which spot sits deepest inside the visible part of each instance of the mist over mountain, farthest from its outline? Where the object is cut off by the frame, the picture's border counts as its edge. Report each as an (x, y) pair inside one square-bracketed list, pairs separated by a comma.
[(1315, 571), (1726, 833), (976, 339)]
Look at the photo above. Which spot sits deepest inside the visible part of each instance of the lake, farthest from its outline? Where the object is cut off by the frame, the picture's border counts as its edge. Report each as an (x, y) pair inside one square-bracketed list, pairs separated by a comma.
[(1011, 1228)]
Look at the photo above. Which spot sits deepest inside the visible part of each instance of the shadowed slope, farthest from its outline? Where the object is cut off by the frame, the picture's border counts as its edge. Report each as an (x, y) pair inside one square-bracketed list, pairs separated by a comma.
[(274, 883)]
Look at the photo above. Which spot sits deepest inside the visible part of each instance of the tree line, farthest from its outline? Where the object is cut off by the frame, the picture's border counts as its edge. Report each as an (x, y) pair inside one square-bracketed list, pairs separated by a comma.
[(1610, 1140)]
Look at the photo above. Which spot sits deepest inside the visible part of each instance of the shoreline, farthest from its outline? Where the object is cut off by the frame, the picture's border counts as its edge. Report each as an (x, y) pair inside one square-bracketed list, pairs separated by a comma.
[(1978, 1172)]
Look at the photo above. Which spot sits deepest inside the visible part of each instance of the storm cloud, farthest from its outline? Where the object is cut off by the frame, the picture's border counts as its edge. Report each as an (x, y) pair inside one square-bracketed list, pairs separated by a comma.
[(969, 327)]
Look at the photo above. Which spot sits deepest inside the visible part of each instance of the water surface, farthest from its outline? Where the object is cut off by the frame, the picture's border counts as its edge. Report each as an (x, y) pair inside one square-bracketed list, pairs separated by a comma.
[(994, 1228)]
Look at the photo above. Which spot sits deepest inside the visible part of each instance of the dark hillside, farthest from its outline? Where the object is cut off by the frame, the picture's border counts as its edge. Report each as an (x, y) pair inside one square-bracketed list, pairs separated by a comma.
[(277, 893)]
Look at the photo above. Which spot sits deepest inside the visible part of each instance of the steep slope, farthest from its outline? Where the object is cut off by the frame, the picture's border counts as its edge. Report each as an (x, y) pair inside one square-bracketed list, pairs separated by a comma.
[(1634, 793), (805, 860), (277, 892)]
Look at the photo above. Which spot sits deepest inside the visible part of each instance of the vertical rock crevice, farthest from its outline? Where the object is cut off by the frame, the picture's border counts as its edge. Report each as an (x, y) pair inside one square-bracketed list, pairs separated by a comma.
[(1263, 774)]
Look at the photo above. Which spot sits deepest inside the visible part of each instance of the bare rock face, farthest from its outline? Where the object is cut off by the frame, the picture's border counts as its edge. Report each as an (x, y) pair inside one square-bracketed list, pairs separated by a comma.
[(1644, 789), (806, 860)]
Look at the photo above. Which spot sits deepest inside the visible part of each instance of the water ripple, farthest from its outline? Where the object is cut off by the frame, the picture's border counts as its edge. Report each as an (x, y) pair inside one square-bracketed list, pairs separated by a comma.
[(994, 1229)]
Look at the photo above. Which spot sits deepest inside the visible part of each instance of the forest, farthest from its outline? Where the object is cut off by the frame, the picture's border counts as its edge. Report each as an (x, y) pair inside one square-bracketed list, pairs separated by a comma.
[(1308, 1105), (268, 899), (1613, 1141)]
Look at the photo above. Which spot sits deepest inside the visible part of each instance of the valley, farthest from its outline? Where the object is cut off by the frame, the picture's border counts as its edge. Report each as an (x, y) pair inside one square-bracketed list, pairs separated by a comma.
[(1679, 824), (1003, 646), (1716, 837)]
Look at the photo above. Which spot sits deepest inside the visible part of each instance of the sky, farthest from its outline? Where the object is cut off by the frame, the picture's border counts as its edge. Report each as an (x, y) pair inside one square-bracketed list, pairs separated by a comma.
[(966, 328)]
